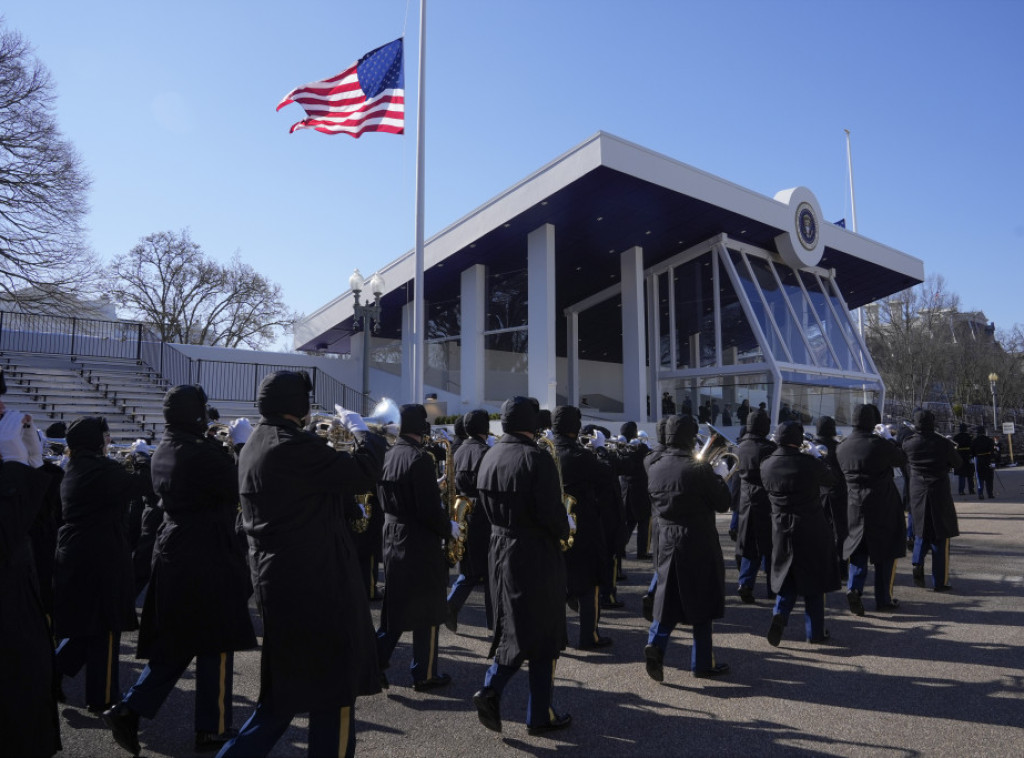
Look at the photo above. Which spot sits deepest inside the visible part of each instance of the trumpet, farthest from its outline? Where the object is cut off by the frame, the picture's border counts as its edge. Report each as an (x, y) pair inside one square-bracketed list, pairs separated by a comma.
[(807, 446), (568, 501), (715, 448)]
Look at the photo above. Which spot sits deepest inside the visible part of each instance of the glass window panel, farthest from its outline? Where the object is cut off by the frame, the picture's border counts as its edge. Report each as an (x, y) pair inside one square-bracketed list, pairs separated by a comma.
[(507, 299), (739, 345), (386, 355), (833, 333), (695, 313), (774, 345), (444, 318), (810, 396), (687, 394), (861, 362), (443, 365), (776, 299), (507, 363), (805, 317), (664, 331), (599, 331)]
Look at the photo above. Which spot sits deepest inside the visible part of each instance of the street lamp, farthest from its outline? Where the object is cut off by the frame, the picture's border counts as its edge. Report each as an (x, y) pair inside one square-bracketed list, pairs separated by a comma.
[(366, 317), (992, 379)]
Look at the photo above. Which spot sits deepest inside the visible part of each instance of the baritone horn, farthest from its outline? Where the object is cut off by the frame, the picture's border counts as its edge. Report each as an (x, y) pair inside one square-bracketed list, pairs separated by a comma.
[(717, 448), (568, 501)]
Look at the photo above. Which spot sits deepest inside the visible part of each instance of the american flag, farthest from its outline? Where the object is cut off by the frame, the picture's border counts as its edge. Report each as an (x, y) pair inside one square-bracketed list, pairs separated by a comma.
[(369, 96)]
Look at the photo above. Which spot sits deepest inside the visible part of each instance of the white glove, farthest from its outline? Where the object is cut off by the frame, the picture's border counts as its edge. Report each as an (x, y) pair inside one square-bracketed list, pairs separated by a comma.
[(350, 420), (240, 430), (721, 468), (572, 522), (12, 447), (362, 509), (814, 452), (456, 530), (548, 433), (392, 430), (882, 430), (598, 440), (141, 446), (491, 439), (30, 438)]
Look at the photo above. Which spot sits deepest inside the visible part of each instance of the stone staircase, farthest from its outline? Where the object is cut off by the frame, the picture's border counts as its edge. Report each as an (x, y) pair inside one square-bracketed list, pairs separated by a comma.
[(127, 394)]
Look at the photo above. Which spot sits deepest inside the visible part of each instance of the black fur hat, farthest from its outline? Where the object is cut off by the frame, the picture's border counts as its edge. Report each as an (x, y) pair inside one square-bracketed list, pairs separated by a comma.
[(567, 419), (477, 422), (519, 414), (414, 419), (185, 408), (285, 393)]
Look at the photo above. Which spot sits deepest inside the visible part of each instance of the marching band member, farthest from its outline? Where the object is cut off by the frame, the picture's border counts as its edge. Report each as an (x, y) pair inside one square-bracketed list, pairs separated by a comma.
[(803, 548), (94, 586), (473, 567), (415, 568), (518, 486), (29, 723), (635, 497), (754, 519), (833, 496), (197, 605), (983, 449), (318, 651), (930, 457), (647, 600), (691, 570), (874, 508), (581, 476)]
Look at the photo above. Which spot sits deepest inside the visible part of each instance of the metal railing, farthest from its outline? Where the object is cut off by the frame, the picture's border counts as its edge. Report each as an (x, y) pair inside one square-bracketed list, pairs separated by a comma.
[(131, 341)]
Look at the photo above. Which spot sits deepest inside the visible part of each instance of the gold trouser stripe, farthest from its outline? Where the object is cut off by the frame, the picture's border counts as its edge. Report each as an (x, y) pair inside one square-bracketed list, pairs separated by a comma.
[(945, 552), (222, 692), (649, 529), (892, 578), (344, 730), (373, 580), (110, 669), (433, 652), (615, 574)]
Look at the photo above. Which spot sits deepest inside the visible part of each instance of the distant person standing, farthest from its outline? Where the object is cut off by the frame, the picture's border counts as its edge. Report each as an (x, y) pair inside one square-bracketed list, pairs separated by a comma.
[(726, 416), (742, 411), (965, 473), (983, 450)]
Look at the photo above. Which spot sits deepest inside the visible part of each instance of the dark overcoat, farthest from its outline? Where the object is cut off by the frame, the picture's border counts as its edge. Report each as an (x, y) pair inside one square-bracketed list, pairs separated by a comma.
[(416, 526), (633, 481), (518, 486), (930, 456), (833, 496), (467, 459), (319, 644), (686, 495), (754, 528), (29, 723), (656, 453), (93, 580), (874, 504), (962, 440), (581, 476), (803, 547), (198, 598)]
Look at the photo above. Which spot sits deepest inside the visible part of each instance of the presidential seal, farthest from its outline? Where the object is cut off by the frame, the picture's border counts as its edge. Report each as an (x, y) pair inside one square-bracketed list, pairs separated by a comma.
[(807, 226)]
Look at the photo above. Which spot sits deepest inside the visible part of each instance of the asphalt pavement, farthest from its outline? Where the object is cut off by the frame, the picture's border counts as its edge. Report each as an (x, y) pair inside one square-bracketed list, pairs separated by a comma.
[(942, 676)]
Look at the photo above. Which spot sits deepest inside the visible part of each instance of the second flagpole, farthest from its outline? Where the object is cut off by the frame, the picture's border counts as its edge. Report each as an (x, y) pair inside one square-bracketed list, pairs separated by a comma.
[(419, 317)]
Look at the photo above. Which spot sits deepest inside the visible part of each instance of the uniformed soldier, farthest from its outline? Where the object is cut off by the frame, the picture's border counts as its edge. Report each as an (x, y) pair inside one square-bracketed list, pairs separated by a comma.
[(874, 510), (94, 585), (833, 496), (318, 650), (965, 474), (930, 456), (803, 548), (754, 521), (197, 604), (29, 723), (584, 562), (416, 526), (686, 495), (635, 497), (518, 486), (473, 567), (983, 450)]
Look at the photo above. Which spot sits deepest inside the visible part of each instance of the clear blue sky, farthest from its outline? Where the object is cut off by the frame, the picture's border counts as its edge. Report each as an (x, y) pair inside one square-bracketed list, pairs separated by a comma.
[(171, 106)]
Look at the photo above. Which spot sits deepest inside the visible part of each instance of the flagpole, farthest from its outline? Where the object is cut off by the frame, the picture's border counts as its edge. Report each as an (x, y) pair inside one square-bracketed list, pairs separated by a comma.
[(419, 318), (853, 219)]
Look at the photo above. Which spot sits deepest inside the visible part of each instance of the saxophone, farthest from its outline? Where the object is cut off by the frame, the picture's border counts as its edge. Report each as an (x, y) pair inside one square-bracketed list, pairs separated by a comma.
[(568, 501), (458, 506)]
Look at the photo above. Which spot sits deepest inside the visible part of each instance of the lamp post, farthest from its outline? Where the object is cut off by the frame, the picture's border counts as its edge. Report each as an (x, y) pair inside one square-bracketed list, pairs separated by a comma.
[(992, 379), (368, 317)]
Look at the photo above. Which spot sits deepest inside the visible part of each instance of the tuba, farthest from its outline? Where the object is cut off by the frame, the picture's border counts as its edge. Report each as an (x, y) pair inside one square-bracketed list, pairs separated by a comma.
[(567, 500), (718, 447)]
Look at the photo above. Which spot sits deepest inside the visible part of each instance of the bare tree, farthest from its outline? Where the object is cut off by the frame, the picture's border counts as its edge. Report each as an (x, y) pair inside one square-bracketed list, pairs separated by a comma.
[(44, 260), (167, 281)]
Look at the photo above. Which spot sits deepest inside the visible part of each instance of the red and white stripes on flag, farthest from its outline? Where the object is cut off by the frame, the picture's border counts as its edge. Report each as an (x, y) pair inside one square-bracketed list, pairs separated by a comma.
[(369, 96)]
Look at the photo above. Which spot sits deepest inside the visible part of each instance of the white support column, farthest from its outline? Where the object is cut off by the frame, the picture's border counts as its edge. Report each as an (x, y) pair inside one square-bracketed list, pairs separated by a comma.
[(409, 379), (572, 342), (654, 345), (540, 246), (634, 365), (473, 305)]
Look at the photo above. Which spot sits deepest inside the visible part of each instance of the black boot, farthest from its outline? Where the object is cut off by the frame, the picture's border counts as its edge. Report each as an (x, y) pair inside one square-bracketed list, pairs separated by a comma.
[(124, 724)]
